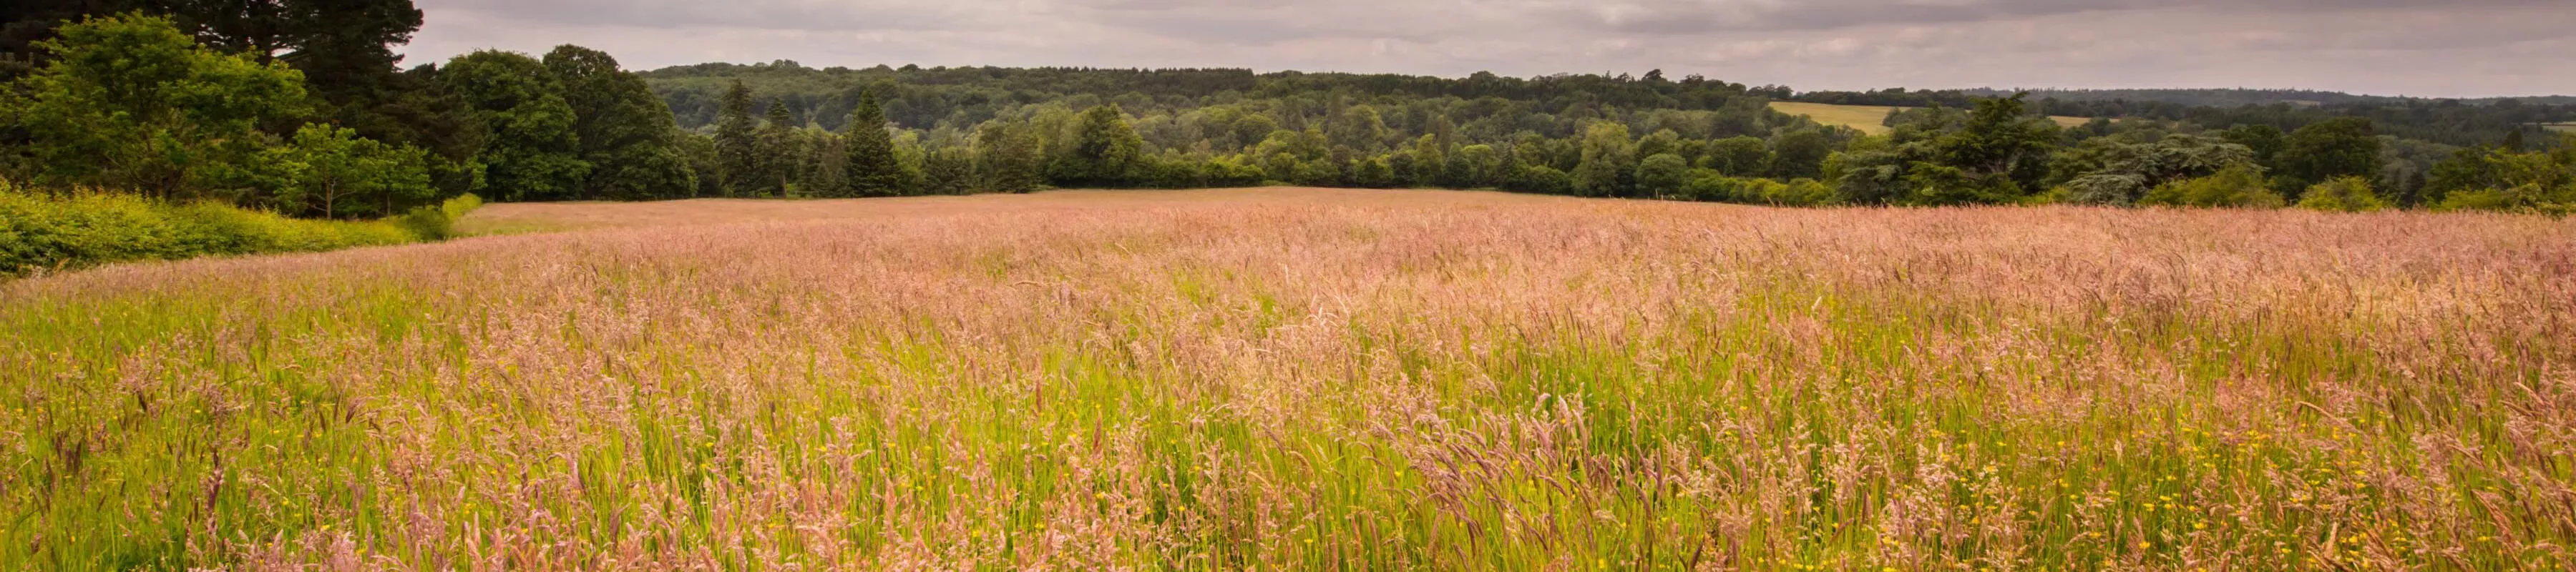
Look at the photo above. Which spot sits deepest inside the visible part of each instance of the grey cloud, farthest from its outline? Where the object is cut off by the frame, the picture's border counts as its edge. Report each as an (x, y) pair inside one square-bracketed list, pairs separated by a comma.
[(2421, 47), (772, 14), (1702, 16)]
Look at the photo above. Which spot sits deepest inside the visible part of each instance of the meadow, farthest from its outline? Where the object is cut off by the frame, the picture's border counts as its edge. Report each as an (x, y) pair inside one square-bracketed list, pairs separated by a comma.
[(1870, 119), (1311, 379)]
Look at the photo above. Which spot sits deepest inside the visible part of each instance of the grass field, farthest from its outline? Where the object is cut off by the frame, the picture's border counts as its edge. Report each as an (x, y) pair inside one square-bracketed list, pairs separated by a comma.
[(1870, 119), (2567, 127), (1312, 379)]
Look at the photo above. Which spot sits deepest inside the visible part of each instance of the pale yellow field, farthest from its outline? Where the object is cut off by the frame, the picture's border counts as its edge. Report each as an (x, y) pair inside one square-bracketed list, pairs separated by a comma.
[(1869, 118), (2566, 127)]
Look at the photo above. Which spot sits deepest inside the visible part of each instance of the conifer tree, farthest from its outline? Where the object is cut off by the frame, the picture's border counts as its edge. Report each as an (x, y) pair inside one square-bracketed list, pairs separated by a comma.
[(737, 142), (780, 150), (870, 167)]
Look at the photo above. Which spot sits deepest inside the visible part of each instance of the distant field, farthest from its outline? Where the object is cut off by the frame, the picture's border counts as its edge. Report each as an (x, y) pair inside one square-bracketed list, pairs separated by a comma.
[(2569, 127), (1869, 119), (1311, 379)]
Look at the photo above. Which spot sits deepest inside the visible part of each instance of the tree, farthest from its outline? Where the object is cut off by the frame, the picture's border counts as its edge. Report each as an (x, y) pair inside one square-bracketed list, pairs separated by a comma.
[(2240, 186), (1540, 179), (870, 167), (130, 103), (1358, 127), (1430, 161), (2541, 182), (1104, 151), (1740, 156), (781, 152), (1609, 166), (737, 142), (2466, 170), (1475, 167), (332, 172), (2264, 140), (824, 163), (1008, 158), (2339, 147), (2116, 173), (625, 132), (1799, 153), (947, 171), (1662, 174), (532, 152), (344, 47), (1998, 156), (1371, 173)]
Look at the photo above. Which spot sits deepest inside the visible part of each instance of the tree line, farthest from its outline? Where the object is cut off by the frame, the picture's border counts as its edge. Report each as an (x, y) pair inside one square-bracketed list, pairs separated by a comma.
[(2452, 122), (184, 103), (136, 103)]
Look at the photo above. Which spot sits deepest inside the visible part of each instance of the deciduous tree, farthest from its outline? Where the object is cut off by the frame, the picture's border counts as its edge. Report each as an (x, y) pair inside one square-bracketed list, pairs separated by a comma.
[(532, 152), (131, 103), (626, 133)]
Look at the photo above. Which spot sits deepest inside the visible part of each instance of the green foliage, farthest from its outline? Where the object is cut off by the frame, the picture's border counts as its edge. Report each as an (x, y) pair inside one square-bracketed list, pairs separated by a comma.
[(1371, 173), (2342, 194), (2114, 172), (1743, 156), (869, 166), (2240, 186), (1799, 153), (2538, 182), (130, 102), (1103, 150), (737, 145), (625, 132), (1609, 167), (456, 208), (331, 172), (1715, 186), (2333, 148), (1430, 165), (947, 171), (1663, 174), (1540, 179), (1997, 156), (49, 232), (1009, 159), (533, 152), (1475, 167), (782, 154), (1358, 128), (2264, 141)]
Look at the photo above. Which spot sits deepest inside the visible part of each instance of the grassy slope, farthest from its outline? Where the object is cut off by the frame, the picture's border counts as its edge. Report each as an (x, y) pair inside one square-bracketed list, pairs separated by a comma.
[(1868, 118), (1313, 379)]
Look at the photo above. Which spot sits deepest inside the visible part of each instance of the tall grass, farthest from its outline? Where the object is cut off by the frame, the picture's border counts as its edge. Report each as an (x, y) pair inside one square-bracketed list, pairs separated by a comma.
[(1368, 381), (51, 232)]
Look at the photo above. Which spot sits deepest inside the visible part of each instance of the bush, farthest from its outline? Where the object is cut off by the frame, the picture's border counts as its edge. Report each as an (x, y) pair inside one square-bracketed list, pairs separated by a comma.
[(44, 232), (428, 223), (2240, 186), (2342, 194), (456, 208)]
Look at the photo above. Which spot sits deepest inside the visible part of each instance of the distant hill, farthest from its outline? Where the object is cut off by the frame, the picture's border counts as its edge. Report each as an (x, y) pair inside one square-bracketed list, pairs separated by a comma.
[(2243, 97), (2459, 122)]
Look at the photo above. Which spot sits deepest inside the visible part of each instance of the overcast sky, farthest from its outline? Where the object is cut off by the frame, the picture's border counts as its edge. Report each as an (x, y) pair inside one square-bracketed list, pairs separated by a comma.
[(2438, 48)]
